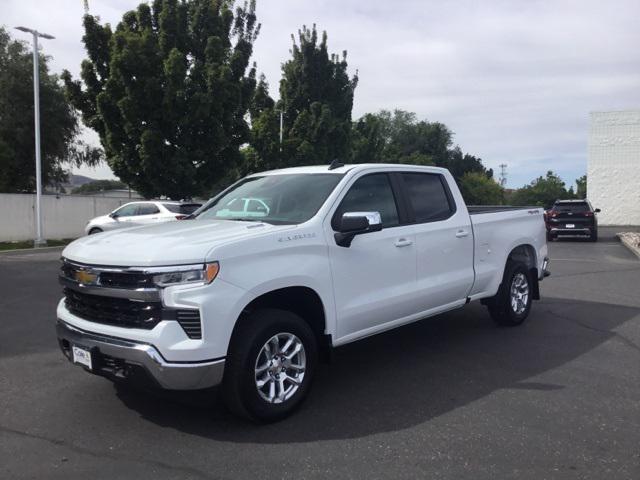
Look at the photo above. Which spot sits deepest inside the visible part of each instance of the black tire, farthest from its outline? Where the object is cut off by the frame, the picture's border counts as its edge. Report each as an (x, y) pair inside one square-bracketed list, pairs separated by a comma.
[(550, 237), (239, 387), (594, 236), (500, 307), (95, 230)]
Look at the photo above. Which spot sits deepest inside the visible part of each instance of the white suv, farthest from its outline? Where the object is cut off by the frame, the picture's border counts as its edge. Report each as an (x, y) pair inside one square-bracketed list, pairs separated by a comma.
[(140, 213)]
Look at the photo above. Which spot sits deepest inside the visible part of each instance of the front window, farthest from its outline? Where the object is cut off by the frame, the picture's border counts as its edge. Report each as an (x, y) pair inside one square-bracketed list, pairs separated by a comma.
[(278, 199), (128, 210)]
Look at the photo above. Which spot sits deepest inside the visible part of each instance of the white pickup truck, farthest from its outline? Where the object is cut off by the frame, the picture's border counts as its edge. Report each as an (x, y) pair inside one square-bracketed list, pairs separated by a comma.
[(281, 267)]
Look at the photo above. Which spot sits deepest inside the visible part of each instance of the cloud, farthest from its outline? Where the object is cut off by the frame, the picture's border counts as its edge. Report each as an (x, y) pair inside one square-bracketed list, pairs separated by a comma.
[(515, 80)]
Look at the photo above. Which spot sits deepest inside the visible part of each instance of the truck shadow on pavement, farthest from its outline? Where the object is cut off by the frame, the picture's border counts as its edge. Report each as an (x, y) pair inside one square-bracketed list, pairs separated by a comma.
[(407, 376)]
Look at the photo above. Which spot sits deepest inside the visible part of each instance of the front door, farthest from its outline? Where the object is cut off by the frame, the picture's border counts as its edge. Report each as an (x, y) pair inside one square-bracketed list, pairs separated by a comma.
[(374, 279)]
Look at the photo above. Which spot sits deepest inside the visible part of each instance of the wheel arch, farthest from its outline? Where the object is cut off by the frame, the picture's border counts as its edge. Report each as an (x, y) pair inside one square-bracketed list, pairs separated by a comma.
[(525, 253), (301, 300)]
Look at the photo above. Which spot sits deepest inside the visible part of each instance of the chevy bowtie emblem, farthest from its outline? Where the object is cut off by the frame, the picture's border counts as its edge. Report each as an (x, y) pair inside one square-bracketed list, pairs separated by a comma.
[(85, 277)]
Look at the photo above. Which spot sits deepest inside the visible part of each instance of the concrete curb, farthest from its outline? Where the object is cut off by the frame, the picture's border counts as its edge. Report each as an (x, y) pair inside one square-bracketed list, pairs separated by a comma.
[(31, 250), (627, 242)]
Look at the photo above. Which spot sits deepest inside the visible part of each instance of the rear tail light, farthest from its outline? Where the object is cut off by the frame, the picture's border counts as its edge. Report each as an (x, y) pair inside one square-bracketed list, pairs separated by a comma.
[(588, 214), (181, 217)]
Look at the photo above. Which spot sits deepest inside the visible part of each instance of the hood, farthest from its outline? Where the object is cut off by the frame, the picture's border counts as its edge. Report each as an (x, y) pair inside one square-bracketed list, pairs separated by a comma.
[(168, 243)]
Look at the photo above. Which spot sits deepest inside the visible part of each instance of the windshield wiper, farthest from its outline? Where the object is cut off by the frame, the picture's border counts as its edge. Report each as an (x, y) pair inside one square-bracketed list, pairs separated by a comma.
[(241, 219)]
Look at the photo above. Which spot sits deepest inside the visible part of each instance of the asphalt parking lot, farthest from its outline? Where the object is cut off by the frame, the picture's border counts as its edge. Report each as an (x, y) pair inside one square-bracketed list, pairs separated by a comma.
[(449, 397)]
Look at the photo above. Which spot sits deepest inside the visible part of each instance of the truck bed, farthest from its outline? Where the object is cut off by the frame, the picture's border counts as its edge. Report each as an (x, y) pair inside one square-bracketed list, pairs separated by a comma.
[(477, 209)]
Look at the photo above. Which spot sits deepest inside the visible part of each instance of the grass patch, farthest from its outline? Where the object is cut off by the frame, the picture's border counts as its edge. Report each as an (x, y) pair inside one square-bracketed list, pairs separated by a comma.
[(4, 246)]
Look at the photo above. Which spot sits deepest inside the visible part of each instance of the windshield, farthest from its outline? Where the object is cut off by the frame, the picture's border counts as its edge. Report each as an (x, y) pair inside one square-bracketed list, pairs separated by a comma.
[(278, 199)]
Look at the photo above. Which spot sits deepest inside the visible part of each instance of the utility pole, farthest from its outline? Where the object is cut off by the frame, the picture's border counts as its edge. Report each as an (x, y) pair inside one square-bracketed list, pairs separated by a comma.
[(503, 174), (281, 125), (39, 241)]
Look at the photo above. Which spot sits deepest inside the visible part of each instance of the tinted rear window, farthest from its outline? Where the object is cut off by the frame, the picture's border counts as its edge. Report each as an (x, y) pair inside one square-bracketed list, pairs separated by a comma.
[(185, 209), (428, 196), (573, 207)]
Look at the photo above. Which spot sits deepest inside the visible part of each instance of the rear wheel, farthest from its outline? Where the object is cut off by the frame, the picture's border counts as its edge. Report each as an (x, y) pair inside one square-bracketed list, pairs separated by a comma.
[(550, 237), (594, 236), (270, 365), (512, 303), (95, 230)]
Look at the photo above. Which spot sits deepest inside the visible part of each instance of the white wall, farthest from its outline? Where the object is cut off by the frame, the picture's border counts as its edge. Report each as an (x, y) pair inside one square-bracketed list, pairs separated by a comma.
[(613, 173), (63, 216)]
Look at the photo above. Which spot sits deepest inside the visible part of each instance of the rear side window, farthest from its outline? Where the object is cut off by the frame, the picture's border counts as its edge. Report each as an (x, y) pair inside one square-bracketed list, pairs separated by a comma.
[(428, 196), (371, 193), (147, 209), (573, 207)]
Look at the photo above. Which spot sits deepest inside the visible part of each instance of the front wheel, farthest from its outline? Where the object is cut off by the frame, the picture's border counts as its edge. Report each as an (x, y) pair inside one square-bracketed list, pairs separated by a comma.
[(270, 365), (95, 230), (512, 303)]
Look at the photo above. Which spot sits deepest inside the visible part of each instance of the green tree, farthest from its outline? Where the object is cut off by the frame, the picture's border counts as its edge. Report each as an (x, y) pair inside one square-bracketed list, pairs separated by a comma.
[(316, 98), (60, 145), (479, 189), (581, 190), (399, 137), (543, 191), (168, 92), (99, 186)]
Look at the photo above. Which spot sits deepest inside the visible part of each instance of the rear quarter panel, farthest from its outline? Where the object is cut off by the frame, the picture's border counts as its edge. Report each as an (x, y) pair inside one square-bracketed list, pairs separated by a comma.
[(495, 236)]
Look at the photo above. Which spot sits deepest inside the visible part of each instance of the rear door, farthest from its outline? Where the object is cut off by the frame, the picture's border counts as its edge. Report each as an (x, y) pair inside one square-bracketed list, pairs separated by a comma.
[(148, 213), (444, 240)]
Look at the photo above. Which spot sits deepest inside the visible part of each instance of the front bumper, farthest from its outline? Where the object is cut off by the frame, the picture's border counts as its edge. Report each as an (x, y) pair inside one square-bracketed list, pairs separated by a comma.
[(117, 358)]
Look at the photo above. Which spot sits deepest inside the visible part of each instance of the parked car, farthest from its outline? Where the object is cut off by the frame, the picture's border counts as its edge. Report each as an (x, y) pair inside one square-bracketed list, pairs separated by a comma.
[(140, 213), (572, 218), (253, 304)]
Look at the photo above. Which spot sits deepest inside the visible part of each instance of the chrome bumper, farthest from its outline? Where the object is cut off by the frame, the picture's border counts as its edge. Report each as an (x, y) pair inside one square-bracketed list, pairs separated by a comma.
[(120, 358)]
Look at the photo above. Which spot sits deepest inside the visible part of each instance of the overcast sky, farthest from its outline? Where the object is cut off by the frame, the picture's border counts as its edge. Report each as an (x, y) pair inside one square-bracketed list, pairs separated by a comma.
[(515, 80)]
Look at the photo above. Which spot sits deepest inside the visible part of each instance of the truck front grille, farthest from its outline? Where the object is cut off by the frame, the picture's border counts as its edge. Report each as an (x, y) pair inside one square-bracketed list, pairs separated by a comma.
[(113, 311)]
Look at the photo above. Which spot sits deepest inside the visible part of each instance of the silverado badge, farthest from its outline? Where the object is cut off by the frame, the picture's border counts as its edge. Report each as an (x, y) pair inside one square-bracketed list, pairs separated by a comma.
[(85, 277)]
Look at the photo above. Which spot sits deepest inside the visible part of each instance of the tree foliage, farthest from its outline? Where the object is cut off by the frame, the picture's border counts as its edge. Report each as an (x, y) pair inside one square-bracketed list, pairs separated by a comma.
[(316, 98), (479, 189), (60, 146), (168, 92), (99, 186), (581, 184), (399, 137), (543, 191)]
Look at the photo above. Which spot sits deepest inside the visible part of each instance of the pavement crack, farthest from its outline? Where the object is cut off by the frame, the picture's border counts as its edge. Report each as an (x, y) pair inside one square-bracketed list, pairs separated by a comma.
[(620, 337), (595, 272), (108, 455)]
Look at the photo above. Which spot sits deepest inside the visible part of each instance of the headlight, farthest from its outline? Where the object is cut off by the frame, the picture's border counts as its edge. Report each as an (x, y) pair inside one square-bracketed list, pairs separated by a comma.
[(187, 274)]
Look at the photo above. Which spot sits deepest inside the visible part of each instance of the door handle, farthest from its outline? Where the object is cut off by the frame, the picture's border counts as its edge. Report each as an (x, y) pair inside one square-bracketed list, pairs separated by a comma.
[(403, 242), (461, 233)]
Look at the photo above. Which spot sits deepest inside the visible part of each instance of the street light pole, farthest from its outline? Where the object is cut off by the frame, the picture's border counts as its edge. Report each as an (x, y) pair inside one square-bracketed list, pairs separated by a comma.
[(39, 241)]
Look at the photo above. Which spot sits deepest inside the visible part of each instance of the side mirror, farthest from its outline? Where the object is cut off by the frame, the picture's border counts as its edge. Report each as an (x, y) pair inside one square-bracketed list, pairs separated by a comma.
[(356, 223), (113, 215), (597, 210)]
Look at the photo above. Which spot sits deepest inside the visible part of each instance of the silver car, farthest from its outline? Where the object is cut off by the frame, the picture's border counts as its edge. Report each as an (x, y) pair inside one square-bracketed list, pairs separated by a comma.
[(140, 213)]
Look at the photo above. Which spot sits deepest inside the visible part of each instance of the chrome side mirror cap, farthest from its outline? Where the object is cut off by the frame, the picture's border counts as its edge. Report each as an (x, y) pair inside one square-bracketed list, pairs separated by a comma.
[(356, 223)]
